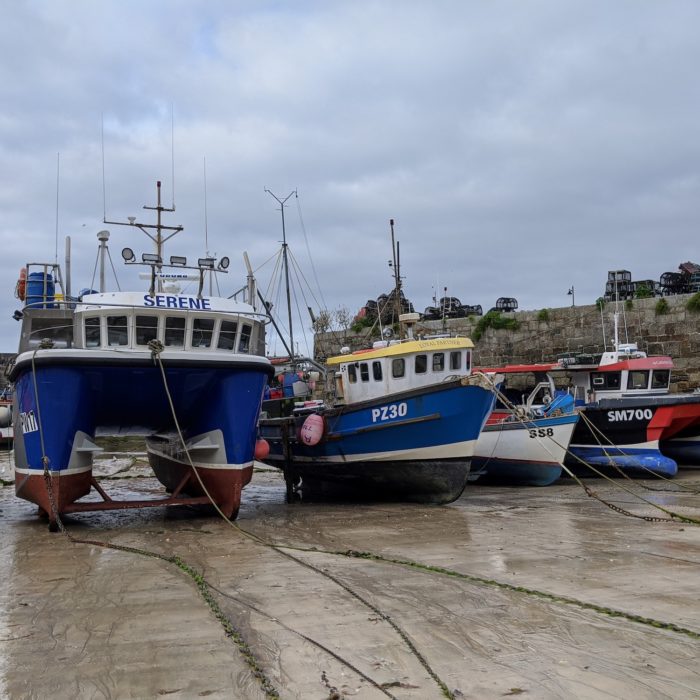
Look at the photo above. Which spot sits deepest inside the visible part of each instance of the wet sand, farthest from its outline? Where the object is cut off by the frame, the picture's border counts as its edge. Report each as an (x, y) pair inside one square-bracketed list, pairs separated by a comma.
[(534, 592)]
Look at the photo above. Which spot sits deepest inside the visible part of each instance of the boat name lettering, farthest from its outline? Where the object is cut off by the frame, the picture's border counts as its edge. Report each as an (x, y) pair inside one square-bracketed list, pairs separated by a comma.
[(28, 421), (630, 414), (167, 301), (541, 432), (394, 410)]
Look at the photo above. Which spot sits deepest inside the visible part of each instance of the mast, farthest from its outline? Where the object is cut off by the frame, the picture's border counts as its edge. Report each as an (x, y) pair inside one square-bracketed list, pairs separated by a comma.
[(158, 237), (397, 273), (285, 264)]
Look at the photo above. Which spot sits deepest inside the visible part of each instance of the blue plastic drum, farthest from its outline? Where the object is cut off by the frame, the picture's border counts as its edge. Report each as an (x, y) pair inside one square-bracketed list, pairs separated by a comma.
[(40, 291)]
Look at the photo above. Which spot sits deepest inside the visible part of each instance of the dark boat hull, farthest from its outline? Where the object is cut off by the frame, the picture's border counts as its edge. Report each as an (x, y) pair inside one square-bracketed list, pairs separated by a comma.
[(412, 446)]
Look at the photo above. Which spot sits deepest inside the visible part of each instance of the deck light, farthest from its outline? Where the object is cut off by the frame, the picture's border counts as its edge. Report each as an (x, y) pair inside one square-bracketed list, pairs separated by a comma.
[(178, 260), (151, 258), (224, 263), (128, 255), (206, 262)]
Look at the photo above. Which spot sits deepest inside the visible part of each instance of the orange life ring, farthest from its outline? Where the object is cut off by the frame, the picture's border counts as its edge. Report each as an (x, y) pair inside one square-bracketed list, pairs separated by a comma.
[(21, 289)]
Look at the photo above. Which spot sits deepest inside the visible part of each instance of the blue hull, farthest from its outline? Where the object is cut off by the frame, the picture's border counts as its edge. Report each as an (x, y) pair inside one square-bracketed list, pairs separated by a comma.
[(414, 446), (513, 472), (77, 400), (636, 461)]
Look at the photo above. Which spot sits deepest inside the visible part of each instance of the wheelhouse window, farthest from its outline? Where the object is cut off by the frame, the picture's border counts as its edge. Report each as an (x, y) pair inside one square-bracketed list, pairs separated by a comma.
[(117, 331), (146, 329), (174, 332), (352, 374), (92, 332), (468, 360), (605, 381), (660, 378), (438, 362), (421, 364), (377, 371), (364, 372), (227, 335), (638, 379), (244, 342), (398, 368), (455, 359), (202, 331)]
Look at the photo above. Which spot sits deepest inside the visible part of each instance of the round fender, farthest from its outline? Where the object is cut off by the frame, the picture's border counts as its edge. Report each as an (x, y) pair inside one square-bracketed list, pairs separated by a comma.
[(312, 430), (262, 449)]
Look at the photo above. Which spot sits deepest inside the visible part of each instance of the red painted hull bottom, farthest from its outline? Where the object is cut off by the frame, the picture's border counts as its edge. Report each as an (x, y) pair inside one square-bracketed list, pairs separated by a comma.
[(66, 489), (224, 487)]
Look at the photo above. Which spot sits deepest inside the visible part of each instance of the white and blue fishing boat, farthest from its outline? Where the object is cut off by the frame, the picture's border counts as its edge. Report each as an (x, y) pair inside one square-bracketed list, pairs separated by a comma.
[(402, 423), (525, 439), (398, 421), (173, 367)]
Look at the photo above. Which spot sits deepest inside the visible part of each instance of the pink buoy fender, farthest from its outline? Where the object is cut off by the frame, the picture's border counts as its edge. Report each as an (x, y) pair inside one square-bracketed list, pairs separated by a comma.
[(312, 430), (262, 449)]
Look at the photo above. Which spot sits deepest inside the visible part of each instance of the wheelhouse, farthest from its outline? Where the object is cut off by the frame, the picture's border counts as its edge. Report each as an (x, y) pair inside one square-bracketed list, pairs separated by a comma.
[(395, 366), (626, 372), (108, 324)]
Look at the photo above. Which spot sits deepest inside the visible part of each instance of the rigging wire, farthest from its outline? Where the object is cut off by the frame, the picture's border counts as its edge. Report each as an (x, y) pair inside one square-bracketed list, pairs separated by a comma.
[(308, 250)]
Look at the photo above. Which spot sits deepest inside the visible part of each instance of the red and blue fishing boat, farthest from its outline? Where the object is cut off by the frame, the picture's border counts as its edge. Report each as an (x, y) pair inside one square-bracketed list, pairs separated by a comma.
[(629, 420)]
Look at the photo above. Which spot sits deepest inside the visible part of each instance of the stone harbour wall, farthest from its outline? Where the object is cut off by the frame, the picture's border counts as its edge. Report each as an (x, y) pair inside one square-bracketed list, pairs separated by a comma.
[(543, 335)]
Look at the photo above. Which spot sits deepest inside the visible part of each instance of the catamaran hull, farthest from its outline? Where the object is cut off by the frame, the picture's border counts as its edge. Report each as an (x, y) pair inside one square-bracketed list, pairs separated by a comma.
[(684, 449), (529, 453), (59, 406), (415, 446), (221, 483)]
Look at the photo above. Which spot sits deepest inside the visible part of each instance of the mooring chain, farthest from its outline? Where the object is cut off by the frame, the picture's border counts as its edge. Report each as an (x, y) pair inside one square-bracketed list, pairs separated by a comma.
[(55, 520), (649, 518)]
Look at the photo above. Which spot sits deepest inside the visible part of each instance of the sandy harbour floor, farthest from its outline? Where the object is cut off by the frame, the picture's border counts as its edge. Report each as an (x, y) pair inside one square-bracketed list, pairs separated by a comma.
[(531, 592)]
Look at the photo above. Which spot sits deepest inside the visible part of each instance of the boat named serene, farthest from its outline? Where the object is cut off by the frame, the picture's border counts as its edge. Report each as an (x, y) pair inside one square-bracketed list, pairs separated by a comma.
[(185, 370)]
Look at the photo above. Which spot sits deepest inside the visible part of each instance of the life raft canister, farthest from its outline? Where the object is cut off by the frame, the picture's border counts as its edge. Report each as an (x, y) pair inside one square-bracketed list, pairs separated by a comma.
[(312, 430), (21, 288)]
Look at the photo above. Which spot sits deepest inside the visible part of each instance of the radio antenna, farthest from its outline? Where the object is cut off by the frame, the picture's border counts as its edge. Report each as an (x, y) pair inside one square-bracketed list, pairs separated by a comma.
[(58, 170), (104, 187), (172, 148), (206, 227)]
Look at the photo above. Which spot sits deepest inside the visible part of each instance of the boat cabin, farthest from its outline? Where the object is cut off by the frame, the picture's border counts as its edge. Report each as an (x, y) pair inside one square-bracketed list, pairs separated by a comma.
[(179, 322), (390, 367), (625, 372), (130, 320)]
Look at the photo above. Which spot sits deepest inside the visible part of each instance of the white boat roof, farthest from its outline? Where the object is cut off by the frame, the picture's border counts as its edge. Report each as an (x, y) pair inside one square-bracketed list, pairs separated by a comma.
[(162, 300), (407, 347)]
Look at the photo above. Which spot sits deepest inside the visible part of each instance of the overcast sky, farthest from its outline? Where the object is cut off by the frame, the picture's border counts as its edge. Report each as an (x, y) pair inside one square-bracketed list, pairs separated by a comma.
[(521, 146)]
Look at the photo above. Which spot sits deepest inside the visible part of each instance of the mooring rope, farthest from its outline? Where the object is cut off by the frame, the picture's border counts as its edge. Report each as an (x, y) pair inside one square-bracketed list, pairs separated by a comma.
[(202, 586), (156, 350)]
